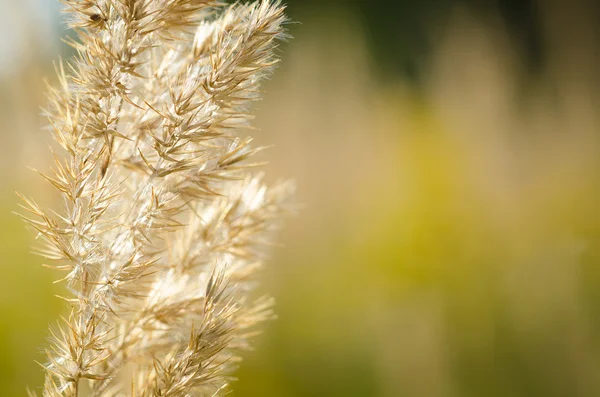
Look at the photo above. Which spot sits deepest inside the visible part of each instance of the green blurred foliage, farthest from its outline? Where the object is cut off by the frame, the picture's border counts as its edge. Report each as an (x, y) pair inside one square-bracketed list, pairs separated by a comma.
[(27, 305), (403, 33)]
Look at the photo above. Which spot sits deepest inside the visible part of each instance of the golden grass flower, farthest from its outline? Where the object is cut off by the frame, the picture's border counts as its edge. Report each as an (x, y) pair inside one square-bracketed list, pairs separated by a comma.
[(163, 225)]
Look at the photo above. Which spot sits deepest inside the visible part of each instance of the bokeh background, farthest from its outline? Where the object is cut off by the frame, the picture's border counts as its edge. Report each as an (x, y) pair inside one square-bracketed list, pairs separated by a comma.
[(447, 155)]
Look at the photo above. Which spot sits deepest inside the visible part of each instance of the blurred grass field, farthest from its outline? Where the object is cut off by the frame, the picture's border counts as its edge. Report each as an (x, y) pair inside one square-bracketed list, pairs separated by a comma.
[(449, 242)]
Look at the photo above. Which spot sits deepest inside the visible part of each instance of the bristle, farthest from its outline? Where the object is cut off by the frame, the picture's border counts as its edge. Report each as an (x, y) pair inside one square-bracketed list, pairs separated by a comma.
[(165, 223)]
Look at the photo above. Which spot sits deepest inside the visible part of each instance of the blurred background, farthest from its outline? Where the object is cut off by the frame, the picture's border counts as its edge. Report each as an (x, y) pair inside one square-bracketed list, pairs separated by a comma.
[(447, 154)]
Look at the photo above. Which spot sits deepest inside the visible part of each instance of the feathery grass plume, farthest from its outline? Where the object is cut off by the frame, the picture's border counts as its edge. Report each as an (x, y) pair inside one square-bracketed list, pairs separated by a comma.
[(163, 225)]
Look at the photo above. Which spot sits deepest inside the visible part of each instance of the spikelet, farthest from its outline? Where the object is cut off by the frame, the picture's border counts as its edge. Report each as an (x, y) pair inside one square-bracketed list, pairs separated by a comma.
[(164, 224)]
